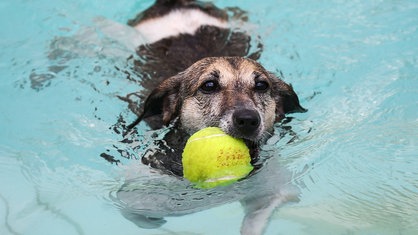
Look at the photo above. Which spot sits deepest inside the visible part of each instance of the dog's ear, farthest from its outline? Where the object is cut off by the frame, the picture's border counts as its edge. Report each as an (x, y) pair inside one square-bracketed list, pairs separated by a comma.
[(287, 100), (162, 105)]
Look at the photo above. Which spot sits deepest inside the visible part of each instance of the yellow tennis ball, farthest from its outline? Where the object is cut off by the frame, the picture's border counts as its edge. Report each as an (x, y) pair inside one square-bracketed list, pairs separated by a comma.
[(212, 158)]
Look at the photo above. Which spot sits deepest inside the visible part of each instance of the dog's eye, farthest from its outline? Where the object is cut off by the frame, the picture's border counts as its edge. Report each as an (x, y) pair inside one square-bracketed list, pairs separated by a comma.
[(261, 86), (209, 86)]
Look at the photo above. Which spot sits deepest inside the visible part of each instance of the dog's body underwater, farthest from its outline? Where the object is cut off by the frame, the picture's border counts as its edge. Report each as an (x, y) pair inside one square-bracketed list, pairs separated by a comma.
[(197, 71)]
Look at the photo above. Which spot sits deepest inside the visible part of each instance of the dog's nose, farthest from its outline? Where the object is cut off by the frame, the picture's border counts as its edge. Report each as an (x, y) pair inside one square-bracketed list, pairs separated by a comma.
[(246, 120)]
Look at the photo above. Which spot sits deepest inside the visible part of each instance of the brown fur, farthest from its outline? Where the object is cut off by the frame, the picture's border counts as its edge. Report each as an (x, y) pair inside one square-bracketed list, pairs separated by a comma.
[(180, 100), (175, 69), (180, 96), (209, 78)]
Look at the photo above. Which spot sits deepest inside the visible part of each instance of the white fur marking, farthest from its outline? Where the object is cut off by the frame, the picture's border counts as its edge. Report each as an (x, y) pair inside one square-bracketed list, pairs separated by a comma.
[(177, 22)]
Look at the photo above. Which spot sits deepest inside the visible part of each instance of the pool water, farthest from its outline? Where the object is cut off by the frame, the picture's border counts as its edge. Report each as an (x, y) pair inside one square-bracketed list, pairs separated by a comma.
[(354, 65)]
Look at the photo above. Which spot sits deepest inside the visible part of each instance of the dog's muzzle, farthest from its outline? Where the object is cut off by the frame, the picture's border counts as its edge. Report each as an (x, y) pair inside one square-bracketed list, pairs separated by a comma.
[(246, 122)]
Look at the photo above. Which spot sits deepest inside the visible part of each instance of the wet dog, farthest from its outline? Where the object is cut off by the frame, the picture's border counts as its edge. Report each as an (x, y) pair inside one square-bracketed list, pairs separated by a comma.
[(200, 72)]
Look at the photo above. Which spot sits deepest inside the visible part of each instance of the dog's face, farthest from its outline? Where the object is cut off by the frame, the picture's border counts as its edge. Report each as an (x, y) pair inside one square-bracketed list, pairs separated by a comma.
[(233, 93)]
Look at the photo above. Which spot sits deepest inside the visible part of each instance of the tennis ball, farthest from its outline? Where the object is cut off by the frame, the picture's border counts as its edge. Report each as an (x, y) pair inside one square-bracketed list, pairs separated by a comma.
[(212, 158)]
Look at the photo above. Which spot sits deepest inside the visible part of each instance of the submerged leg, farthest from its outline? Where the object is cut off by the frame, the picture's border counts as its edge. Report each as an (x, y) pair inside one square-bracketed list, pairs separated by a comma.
[(273, 188), (143, 221), (258, 211)]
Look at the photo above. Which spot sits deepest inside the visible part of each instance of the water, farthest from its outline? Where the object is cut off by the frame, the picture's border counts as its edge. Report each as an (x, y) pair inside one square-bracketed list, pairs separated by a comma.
[(353, 63)]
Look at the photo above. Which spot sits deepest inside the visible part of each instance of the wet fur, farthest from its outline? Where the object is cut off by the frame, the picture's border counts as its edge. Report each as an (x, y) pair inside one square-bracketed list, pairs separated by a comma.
[(174, 69), (178, 100)]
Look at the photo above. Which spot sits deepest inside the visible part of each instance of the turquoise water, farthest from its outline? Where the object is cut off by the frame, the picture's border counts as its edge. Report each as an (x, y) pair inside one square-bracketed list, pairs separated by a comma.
[(354, 65)]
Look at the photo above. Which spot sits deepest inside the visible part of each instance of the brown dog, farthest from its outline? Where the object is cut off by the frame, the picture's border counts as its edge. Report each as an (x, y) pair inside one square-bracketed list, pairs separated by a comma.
[(199, 73)]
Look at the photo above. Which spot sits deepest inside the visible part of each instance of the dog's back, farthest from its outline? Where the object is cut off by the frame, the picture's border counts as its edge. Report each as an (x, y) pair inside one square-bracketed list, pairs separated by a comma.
[(181, 32)]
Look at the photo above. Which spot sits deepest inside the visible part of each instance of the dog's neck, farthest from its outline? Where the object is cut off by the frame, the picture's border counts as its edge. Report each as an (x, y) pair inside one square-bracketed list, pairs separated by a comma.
[(167, 156)]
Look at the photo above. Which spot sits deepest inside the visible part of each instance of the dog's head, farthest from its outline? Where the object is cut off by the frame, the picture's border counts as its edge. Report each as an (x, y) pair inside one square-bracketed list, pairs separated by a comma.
[(233, 93)]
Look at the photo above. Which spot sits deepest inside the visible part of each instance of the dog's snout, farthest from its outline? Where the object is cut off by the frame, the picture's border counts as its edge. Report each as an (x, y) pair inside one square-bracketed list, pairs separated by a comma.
[(246, 121)]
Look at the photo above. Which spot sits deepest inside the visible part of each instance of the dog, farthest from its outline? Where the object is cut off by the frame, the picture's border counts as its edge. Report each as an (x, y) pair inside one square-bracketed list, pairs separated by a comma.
[(197, 71)]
